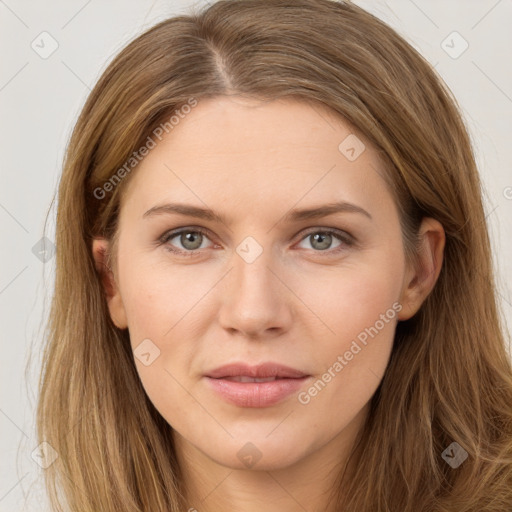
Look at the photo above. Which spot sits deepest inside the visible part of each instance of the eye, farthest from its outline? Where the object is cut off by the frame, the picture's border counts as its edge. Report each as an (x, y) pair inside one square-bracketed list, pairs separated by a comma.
[(321, 240), (190, 239)]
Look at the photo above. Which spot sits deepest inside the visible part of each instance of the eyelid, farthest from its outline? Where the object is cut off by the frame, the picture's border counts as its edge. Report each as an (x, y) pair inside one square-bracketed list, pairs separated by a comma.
[(168, 235), (346, 238)]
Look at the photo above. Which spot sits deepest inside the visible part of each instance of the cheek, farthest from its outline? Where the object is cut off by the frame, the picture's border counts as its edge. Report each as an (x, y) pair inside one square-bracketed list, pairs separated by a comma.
[(158, 298), (359, 310), (166, 306), (354, 297), (351, 316), (163, 302), (159, 317)]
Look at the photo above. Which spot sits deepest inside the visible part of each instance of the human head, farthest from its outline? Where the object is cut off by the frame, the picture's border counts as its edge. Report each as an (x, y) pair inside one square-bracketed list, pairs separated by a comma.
[(350, 63), (254, 164)]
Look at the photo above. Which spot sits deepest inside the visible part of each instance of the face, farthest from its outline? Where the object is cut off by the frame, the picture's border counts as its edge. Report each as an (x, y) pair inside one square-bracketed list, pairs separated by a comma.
[(260, 282)]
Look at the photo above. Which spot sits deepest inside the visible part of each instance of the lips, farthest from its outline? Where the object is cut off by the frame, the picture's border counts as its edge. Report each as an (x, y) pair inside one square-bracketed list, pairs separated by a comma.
[(255, 386), (243, 378), (261, 371)]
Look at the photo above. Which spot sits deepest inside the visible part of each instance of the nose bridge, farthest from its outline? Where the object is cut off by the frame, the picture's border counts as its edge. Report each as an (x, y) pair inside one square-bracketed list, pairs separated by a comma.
[(252, 275), (253, 301)]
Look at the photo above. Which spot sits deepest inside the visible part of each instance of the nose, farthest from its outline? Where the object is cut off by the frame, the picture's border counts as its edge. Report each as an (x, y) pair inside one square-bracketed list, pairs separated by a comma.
[(255, 301)]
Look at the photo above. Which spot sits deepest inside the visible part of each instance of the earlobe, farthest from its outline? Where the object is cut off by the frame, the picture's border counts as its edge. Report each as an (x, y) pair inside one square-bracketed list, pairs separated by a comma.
[(100, 247), (420, 281)]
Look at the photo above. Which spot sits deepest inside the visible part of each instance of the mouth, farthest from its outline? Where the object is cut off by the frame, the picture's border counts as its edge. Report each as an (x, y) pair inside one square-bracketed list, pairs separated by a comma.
[(267, 370), (244, 378), (262, 385)]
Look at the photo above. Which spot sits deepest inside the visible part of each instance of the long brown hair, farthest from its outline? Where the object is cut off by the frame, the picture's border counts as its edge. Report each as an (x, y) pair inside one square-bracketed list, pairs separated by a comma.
[(449, 378)]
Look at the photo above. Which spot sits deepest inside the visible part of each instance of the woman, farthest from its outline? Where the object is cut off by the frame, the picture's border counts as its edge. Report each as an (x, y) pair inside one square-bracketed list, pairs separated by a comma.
[(273, 282)]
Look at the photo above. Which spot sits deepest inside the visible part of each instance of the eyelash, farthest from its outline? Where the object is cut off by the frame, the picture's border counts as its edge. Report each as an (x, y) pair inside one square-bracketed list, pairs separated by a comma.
[(347, 240)]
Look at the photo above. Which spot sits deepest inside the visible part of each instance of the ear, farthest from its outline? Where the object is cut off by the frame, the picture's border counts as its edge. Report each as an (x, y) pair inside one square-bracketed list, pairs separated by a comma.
[(100, 248), (419, 282)]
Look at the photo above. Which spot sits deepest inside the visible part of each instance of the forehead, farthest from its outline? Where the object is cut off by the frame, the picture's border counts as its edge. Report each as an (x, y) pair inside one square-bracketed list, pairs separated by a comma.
[(242, 151), (258, 125)]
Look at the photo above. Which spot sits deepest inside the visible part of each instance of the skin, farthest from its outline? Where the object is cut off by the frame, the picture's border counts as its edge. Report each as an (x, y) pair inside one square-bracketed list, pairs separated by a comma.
[(295, 304)]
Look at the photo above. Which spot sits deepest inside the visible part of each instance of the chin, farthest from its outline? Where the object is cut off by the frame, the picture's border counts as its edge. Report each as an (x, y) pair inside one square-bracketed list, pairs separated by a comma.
[(257, 453)]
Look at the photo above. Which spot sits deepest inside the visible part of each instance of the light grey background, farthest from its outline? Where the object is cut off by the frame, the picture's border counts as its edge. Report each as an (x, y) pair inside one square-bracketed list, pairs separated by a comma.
[(40, 99)]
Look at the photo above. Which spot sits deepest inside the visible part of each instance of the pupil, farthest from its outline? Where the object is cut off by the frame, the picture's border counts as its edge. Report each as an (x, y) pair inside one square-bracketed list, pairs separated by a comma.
[(189, 239), (322, 237)]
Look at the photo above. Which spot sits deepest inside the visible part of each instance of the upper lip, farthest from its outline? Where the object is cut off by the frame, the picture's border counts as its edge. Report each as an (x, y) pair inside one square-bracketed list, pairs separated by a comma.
[(259, 371)]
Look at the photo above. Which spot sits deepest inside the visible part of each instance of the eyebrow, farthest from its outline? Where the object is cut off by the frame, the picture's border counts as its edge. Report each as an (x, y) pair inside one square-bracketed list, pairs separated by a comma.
[(292, 216)]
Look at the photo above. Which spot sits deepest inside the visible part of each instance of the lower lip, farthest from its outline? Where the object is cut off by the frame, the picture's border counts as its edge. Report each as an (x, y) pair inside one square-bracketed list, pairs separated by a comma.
[(256, 394)]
